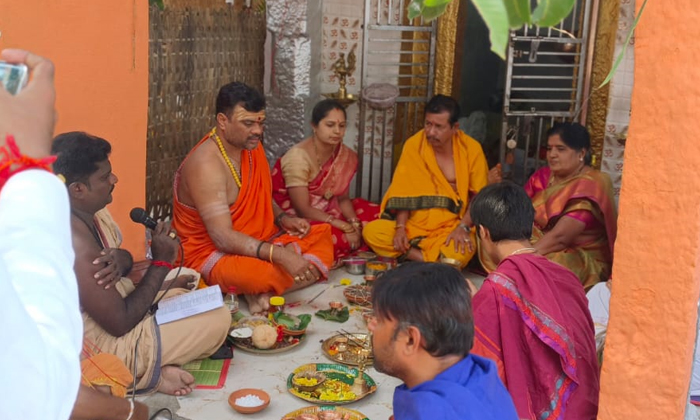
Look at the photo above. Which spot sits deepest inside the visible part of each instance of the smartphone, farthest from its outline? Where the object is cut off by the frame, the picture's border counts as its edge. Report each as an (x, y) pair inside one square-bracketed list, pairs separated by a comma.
[(224, 352), (13, 77)]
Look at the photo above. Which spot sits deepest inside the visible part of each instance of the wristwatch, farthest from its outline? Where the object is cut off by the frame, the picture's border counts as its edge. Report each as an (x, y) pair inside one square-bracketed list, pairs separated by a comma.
[(465, 227)]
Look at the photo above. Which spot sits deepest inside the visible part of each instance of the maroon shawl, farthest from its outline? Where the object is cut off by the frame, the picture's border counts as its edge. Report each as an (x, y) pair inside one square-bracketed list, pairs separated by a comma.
[(531, 317)]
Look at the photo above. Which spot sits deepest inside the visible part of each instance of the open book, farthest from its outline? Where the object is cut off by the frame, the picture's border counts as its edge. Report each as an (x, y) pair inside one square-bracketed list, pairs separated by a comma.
[(188, 304)]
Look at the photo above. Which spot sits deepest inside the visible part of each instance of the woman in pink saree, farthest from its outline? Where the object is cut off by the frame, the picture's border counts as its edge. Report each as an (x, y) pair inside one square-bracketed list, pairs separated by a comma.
[(312, 180), (575, 215)]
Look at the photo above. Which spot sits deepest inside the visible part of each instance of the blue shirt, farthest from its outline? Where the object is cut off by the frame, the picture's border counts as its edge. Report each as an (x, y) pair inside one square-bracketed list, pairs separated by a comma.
[(470, 389)]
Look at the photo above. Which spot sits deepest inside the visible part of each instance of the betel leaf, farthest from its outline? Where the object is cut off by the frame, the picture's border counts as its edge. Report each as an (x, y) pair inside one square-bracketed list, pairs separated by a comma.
[(292, 322), (305, 320), (551, 12), (518, 13), (334, 315), (495, 16)]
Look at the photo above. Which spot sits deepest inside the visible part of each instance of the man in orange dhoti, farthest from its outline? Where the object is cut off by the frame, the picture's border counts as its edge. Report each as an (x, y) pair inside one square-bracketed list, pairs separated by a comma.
[(232, 232), (424, 211)]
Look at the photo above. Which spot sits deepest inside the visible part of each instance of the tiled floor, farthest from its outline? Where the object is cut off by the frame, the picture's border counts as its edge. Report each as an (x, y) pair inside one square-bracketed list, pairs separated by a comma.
[(269, 372)]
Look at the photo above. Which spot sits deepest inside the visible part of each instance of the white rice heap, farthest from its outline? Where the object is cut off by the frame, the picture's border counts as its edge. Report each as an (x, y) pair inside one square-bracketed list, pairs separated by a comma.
[(249, 400)]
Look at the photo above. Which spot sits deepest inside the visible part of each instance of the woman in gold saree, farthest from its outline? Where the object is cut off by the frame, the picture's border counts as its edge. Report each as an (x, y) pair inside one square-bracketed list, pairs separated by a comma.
[(575, 215)]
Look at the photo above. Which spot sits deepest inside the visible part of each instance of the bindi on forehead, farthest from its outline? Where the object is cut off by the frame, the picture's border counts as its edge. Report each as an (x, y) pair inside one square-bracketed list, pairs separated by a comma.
[(241, 114)]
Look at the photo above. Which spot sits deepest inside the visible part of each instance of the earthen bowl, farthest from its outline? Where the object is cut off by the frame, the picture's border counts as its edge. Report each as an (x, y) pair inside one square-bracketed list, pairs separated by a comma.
[(249, 391)]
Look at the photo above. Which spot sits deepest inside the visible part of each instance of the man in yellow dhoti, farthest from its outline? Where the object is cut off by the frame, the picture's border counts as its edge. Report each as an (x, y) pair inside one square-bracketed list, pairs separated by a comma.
[(424, 211)]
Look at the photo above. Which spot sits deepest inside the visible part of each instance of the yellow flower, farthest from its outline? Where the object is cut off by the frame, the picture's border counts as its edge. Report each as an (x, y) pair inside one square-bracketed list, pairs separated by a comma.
[(345, 282)]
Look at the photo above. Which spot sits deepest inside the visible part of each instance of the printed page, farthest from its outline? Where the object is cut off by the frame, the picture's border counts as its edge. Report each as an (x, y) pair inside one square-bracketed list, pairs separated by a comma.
[(188, 304)]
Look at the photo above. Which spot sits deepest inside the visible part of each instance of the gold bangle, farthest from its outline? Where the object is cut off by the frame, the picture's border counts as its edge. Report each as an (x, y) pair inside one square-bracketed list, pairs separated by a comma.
[(329, 219), (348, 229), (272, 248), (399, 226)]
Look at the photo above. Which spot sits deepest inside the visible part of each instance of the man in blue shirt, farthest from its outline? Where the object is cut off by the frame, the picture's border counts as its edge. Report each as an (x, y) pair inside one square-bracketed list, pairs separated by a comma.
[(422, 333)]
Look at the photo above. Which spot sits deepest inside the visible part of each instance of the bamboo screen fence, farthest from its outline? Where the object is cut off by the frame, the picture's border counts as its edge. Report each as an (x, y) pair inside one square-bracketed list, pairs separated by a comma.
[(195, 47)]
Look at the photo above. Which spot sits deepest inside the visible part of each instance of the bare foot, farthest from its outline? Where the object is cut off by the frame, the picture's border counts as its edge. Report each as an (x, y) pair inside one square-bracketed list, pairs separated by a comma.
[(175, 381), (258, 304)]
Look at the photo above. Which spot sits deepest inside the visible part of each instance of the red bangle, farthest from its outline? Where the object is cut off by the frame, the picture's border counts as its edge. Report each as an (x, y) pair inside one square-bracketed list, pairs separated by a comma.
[(10, 156), (159, 263)]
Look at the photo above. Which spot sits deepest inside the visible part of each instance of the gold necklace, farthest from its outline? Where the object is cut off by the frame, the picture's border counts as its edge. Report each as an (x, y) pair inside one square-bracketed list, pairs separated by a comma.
[(553, 180), (329, 193), (521, 250), (219, 143)]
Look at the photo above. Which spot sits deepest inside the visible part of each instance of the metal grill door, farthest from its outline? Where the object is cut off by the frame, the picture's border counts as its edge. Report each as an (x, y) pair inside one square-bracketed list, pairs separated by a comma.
[(544, 81), (402, 53)]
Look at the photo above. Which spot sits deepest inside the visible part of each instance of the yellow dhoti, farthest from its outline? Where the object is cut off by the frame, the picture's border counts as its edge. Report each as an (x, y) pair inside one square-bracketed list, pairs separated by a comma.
[(379, 235), (436, 208)]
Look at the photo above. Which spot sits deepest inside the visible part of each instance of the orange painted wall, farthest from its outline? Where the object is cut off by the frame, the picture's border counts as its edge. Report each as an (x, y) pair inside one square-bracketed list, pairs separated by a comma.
[(100, 49), (654, 306)]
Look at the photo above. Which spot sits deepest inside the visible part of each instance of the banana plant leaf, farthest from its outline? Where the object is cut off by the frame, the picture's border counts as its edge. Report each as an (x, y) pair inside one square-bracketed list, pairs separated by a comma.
[(551, 12), (500, 16), (428, 9), (618, 60)]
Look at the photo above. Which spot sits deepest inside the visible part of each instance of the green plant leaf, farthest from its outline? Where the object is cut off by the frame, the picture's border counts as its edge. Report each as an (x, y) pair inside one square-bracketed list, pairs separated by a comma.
[(495, 15), (292, 322), (436, 3), (618, 60), (551, 12), (430, 13), (518, 12), (334, 315), (305, 320), (158, 3), (414, 9)]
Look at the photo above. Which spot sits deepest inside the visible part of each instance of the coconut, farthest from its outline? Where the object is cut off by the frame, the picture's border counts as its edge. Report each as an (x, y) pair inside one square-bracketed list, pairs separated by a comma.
[(264, 336)]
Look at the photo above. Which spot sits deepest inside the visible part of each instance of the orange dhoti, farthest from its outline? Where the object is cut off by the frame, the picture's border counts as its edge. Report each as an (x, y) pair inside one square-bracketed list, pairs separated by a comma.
[(253, 276), (252, 215)]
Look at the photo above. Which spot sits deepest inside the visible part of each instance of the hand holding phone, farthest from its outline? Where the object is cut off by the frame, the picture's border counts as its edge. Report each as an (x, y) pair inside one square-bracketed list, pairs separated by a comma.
[(29, 115), (13, 77)]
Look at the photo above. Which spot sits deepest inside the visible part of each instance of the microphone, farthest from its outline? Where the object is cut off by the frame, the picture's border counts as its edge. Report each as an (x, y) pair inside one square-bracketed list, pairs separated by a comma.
[(139, 215)]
